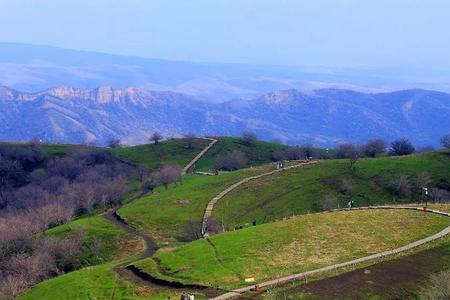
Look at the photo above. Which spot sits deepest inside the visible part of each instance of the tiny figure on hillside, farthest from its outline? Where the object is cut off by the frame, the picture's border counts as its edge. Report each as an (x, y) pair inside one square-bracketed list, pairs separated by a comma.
[(254, 223), (187, 297), (351, 204)]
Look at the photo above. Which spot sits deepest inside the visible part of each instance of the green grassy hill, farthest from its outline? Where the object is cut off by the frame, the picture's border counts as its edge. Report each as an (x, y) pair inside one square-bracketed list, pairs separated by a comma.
[(93, 282), (286, 247), (306, 189), (171, 215), (154, 155), (114, 241), (173, 218), (167, 214), (257, 152)]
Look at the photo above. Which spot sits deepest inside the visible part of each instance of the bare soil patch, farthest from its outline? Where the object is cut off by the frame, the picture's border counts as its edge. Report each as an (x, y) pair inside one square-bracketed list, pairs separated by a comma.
[(402, 278)]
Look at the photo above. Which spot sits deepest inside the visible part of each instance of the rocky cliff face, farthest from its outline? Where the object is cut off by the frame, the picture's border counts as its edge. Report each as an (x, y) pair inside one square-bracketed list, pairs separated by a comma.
[(325, 117), (102, 94)]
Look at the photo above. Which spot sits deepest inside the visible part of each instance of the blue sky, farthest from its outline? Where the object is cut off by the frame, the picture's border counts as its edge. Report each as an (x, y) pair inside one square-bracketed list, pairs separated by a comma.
[(330, 33)]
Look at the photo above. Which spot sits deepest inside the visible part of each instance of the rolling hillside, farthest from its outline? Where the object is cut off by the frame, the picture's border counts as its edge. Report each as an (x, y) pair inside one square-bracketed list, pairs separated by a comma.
[(172, 218), (292, 192), (166, 152), (174, 215), (302, 190), (282, 248)]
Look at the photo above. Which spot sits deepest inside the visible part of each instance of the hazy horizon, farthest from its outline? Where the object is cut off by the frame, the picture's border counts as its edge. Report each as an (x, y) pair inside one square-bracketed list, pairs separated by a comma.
[(395, 34)]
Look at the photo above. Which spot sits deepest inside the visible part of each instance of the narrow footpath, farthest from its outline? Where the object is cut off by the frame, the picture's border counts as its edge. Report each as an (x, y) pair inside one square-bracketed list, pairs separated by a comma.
[(150, 245), (192, 162)]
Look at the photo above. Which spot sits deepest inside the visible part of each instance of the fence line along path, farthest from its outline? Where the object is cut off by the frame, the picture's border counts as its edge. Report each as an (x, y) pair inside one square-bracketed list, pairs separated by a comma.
[(193, 161), (209, 208), (283, 280)]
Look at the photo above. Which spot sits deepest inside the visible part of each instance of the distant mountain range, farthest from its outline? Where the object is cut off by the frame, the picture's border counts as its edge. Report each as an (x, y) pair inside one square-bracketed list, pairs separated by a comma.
[(323, 117), (34, 68)]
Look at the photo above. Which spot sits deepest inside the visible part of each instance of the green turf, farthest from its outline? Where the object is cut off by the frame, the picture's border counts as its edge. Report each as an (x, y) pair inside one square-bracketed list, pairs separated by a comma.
[(282, 248), (99, 282), (114, 241), (164, 214), (155, 155), (303, 190), (258, 152)]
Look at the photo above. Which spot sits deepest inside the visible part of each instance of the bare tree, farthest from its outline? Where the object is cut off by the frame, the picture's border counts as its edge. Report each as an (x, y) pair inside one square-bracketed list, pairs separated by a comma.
[(423, 180), (306, 151), (350, 151), (402, 186), (439, 195), (156, 137), (231, 161), (445, 141), (346, 187), (190, 140), (39, 199), (330, 202), (374, 147), (169, 174), (295, 153), (11, 173), (401, 147), (151, 181), (279, 154), (142, 172)]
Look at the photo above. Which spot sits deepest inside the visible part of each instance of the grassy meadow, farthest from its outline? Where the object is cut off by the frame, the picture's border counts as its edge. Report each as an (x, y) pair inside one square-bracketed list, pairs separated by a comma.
[(286, 247), (167, 214), (302, 190)]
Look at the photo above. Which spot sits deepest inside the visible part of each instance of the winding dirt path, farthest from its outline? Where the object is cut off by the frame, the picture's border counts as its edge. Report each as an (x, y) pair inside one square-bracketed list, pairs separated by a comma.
[(283, 280), (150, 244)]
